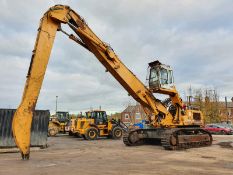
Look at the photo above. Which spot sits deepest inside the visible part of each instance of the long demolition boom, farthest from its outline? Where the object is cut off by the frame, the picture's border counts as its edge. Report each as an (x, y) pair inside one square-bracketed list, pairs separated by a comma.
[(49, 25)]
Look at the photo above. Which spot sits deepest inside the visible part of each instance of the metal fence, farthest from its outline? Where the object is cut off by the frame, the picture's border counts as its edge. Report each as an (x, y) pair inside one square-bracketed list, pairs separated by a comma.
[(39, 128)]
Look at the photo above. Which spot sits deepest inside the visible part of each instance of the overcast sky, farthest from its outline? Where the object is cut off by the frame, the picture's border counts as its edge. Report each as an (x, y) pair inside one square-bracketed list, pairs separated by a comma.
[(194, 37)]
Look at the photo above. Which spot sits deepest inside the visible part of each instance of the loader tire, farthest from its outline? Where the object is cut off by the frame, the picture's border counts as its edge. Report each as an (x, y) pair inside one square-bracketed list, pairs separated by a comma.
[(78, 135), (71, 134), (83, 136), (223, 133), (52, 132), (91, 134), (117, 133)]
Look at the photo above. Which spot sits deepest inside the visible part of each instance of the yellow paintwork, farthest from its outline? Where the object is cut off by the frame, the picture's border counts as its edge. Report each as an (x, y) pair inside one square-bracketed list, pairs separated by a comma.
[(56, 125), (81, 125), (188, 119), (49, 24)]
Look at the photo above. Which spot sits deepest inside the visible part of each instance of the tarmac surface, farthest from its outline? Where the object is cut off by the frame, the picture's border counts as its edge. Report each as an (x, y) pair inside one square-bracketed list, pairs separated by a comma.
[(68, 155)]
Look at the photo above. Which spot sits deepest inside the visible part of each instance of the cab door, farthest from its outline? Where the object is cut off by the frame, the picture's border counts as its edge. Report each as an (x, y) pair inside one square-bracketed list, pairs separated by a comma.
[(100, 117)]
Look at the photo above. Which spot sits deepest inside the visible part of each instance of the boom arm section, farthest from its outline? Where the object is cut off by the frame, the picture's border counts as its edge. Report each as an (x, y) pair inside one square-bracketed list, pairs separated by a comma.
[(50, 23)]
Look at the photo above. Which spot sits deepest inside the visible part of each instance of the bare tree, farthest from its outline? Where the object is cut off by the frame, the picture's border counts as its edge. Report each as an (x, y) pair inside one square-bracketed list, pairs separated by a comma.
[(208, 102)]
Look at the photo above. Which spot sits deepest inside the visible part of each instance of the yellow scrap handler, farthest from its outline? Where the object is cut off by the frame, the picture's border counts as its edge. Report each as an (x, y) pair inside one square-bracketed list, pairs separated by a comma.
[(176, 127), (96, 124)]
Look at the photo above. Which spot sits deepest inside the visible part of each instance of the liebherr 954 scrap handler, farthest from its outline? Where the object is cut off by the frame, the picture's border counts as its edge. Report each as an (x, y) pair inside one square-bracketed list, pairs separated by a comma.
[(176, 128)]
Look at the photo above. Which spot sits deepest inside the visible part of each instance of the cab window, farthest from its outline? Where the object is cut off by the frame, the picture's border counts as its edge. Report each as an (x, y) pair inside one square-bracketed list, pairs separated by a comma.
[(153, 76), (164, 76), (170, 77)]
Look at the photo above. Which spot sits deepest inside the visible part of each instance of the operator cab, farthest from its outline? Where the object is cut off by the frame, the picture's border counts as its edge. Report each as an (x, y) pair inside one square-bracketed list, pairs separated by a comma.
[(100, 117), (62, 116), (161, 77)]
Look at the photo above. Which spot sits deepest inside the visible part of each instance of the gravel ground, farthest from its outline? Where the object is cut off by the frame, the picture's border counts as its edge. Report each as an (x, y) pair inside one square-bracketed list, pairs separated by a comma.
[(70, 155)]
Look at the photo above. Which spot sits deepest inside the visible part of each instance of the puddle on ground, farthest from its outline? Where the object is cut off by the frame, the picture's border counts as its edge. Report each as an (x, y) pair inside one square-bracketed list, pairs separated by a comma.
[(46, 165), (208, 157), (228, 145), (229, 165)]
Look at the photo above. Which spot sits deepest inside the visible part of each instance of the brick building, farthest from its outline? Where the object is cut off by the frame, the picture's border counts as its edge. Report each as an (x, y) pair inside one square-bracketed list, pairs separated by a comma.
[(133, 114)]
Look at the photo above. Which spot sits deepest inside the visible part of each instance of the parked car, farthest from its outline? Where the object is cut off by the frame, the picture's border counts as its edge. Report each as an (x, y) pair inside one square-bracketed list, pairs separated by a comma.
[(226, 125), (218, 129)]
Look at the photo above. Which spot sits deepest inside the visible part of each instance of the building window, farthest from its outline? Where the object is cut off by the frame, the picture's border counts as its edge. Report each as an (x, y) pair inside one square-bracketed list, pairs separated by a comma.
[(138, 116), (126, 116)]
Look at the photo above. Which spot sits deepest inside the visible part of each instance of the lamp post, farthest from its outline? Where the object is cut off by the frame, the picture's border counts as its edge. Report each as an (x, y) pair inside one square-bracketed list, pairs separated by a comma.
[(226, 108), (56, 103)]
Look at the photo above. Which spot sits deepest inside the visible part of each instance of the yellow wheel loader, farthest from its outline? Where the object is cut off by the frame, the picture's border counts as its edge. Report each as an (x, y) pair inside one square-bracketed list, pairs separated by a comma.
[(96, 124), (57, 123)]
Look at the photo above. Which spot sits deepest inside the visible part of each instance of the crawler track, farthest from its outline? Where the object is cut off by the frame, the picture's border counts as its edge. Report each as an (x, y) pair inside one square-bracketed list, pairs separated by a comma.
[(171, 139), (185, 138), (126, 139), (131, 138)]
